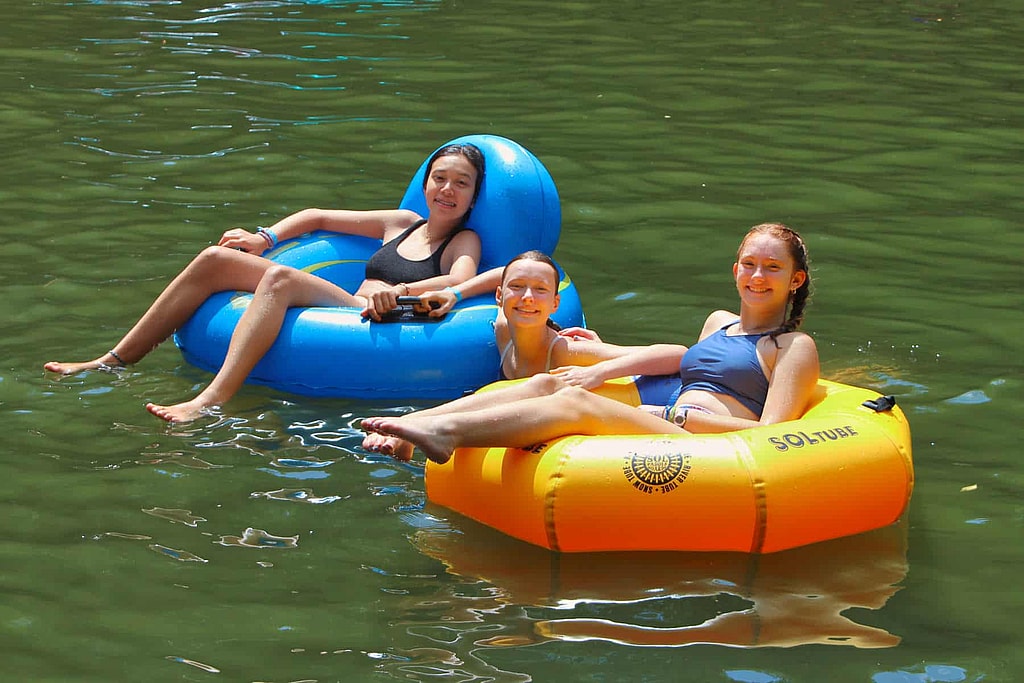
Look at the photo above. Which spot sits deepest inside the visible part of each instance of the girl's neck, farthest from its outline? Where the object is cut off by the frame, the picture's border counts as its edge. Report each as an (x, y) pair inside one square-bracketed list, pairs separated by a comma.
[(754, 323), (435, 230), (530, 349)]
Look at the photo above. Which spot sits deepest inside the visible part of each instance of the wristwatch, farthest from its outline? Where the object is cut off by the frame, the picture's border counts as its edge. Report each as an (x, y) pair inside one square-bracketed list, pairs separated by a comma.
[(678, 417)]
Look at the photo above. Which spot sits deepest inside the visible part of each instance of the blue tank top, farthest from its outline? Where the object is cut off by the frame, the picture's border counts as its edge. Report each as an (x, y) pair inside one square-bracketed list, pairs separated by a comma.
[(727, 365), (388, 265)]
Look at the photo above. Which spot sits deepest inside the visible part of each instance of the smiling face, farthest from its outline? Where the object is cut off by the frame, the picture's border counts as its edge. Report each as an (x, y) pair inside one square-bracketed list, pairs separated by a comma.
[(450, 186), (529, 292), (765, 271)]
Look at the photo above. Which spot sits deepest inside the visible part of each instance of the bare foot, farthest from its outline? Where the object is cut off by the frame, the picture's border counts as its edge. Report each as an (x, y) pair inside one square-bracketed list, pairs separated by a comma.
[(180, 412), (104, 362), (435, 446), (388, 445)]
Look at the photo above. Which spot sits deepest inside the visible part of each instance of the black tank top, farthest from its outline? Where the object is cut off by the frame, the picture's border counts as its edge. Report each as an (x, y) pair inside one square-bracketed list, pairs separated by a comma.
[(391, 267)]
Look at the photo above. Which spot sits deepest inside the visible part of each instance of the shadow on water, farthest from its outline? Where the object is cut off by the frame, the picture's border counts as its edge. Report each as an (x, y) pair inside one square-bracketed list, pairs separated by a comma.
[(785, 599)]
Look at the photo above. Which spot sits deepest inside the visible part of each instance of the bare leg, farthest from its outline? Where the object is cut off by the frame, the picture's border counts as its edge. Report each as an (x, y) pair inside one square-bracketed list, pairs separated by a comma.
[(215, 269), (280, 289), (538, 385), (521, 423)]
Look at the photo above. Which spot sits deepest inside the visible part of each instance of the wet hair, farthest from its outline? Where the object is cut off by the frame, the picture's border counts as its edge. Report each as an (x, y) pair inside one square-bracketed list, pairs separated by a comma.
[(472, 154), (798, 252), (539, 257)]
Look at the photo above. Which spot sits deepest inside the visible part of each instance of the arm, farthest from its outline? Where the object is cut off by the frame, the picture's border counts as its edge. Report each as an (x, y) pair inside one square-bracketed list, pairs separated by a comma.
[(377, 224), (487, 281), (608, 361)]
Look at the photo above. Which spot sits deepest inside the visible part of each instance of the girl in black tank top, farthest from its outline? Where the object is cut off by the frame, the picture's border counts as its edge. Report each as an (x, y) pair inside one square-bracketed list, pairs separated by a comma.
[(389, 266), (450, 186)]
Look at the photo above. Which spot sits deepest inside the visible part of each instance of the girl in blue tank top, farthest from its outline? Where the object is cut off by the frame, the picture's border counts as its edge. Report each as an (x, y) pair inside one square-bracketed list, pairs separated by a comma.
[(747, 369)]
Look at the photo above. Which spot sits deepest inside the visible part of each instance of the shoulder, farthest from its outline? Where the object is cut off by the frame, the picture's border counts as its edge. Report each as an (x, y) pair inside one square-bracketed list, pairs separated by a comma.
[(395, 221), (797, 348), (501, 333), (466, 237), (796, 340), (403, 218), (464, 242), (716, 321)]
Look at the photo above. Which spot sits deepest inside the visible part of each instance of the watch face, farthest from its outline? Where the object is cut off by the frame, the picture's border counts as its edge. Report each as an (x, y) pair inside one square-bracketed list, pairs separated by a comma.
[(680, 417)]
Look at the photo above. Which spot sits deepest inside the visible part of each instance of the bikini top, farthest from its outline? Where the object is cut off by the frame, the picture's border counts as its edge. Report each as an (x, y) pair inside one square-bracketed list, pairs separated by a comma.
[(508, 348), (388, 265), (723, 364)]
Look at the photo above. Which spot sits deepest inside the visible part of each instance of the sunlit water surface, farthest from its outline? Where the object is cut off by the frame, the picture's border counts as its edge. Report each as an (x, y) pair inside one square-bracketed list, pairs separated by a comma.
[(266, 546)]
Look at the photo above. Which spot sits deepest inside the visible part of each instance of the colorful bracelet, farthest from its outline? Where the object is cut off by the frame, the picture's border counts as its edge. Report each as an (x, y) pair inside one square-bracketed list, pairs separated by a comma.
[(270, 237), (457, 293)]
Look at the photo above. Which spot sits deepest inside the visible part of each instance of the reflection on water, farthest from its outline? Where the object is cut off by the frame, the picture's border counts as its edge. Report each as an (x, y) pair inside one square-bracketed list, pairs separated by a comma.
[(797, 597), (258, 538), (177, 516)]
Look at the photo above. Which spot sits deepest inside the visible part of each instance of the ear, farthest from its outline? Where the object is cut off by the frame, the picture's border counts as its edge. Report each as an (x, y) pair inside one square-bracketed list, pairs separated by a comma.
[(497, 295), (799, 278), (558, 300), (735, 269)]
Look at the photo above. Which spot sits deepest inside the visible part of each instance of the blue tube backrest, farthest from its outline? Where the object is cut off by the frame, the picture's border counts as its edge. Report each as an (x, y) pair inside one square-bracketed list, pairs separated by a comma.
[(517, 208)]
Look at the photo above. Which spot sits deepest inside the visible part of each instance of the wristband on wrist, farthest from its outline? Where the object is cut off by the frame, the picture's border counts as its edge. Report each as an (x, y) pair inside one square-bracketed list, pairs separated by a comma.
[(269, 236), (402, 284), (457, 293)]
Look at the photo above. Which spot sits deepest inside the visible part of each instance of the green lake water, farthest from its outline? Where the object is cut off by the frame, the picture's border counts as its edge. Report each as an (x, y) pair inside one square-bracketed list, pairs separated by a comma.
[(267, 546)]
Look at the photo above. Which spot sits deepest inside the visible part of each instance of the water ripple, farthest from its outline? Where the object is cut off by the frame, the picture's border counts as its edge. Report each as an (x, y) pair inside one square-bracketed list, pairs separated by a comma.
[(297, 496)]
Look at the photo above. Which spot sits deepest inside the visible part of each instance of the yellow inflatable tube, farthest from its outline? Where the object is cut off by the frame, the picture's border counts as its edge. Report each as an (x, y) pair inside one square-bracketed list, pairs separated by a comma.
[(841, 469)]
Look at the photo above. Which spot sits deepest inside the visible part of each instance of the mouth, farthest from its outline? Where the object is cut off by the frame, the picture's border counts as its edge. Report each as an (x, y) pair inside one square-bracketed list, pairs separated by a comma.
[(445, 203)]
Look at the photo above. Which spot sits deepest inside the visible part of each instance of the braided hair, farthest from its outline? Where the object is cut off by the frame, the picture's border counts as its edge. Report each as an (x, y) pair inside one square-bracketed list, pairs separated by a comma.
[(798, 251)]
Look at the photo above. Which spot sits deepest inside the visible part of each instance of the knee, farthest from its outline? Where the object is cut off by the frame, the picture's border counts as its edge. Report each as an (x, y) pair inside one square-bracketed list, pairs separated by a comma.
[(545, 384), (582, 403), (210, 258), (575, 395), (277, 280)]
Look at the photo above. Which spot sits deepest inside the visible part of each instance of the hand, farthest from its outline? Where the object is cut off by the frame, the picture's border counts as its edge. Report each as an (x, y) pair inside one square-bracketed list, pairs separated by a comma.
[(243, 240), (579, 376), (577, 333), (444, 298), (382, 301)]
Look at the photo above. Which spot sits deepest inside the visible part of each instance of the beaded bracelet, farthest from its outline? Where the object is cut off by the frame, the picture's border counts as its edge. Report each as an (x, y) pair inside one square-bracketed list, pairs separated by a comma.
[(457, 293)]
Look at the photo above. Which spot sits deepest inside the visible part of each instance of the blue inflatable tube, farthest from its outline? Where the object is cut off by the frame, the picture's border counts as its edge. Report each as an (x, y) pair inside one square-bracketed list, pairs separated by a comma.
[(334, 352)]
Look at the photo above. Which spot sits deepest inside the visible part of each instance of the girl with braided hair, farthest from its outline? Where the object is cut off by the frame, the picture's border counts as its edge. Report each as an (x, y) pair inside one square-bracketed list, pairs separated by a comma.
[(747, 369)]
